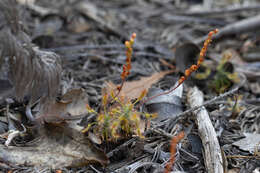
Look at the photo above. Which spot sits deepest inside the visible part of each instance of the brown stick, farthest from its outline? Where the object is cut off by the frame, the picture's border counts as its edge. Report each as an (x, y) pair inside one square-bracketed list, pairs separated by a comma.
[(213, 159)]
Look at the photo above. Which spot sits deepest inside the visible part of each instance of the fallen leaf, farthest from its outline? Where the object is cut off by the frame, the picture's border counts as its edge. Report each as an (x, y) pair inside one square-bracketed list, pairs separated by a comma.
[(71, 106), (167, 105), (57, 147), (250, 143), (133, 89)]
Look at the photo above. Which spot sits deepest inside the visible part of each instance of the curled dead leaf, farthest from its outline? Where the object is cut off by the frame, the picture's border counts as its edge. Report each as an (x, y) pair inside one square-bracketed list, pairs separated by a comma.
[(71, 106)]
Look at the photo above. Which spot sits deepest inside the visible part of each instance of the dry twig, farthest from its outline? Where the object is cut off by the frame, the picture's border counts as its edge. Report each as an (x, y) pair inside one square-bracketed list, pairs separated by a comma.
[(212, 153)]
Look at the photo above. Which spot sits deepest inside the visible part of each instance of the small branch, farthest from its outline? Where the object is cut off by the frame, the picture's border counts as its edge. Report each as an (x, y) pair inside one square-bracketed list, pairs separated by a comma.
[(212, 153), (239, 27), (215, 12)]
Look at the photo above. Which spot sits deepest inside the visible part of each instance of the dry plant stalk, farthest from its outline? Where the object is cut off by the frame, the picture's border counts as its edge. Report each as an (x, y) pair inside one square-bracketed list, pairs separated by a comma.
[(192, 68), (129, 52), (127, 67), (175, 140)]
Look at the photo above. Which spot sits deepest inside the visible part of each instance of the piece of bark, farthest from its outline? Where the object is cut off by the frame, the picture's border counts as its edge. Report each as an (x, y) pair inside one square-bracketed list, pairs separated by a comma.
[(212, 152)]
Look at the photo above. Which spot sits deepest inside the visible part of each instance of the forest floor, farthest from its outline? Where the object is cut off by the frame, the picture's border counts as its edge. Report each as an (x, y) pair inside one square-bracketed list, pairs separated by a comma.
[(221, 136)]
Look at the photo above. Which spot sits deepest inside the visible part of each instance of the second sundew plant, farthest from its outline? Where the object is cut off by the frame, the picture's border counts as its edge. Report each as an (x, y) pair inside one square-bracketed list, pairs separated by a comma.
[(224, 77), (119, 116)]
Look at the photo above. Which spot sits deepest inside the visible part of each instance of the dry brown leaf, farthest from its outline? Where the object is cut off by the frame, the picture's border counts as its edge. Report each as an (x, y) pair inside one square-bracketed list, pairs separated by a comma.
[(57, 147), (133, 89), (71, 105), (59, 144)]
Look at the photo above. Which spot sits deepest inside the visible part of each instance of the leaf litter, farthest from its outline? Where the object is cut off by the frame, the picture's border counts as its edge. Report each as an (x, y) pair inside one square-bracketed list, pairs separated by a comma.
[(57, 146), (161, 27), (58, 143)]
